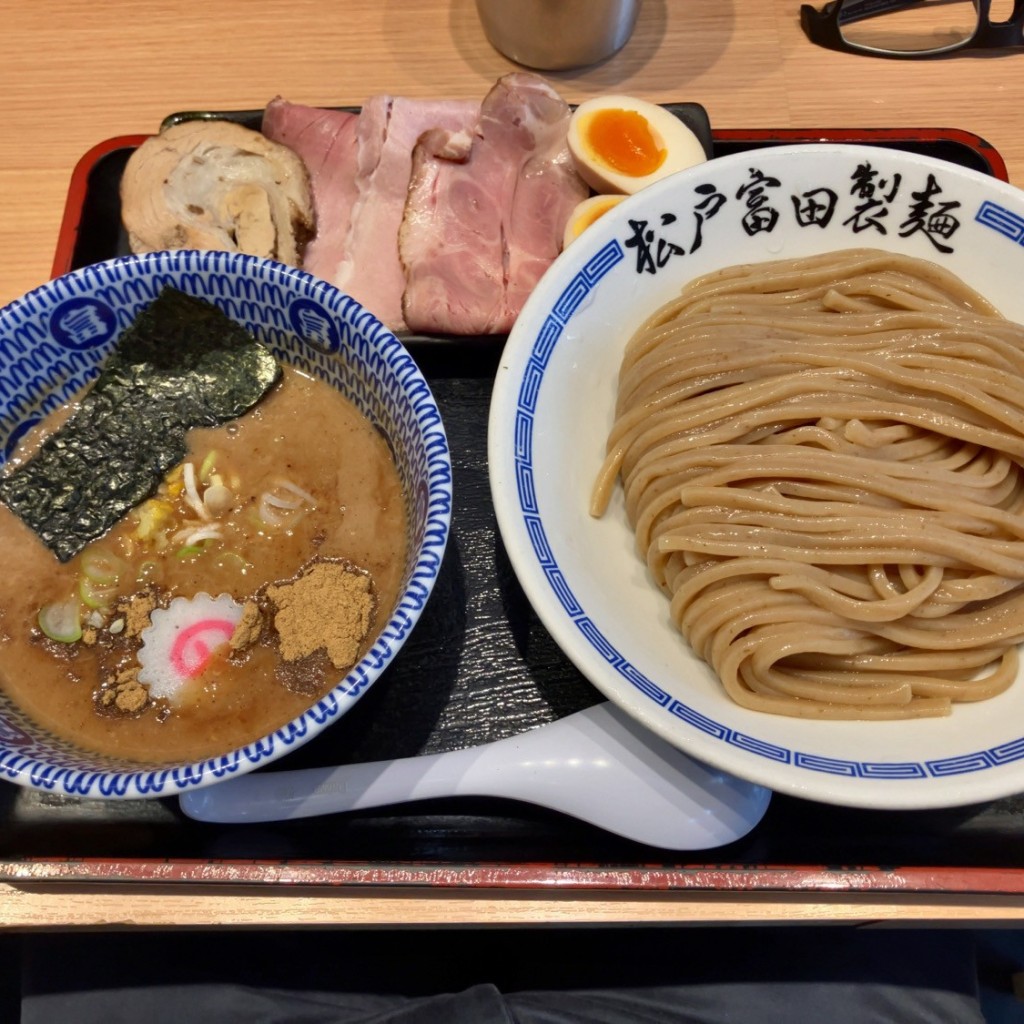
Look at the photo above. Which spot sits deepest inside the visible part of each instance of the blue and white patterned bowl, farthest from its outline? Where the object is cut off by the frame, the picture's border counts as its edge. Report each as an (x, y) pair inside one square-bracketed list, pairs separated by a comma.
[(53, 342), (553, 407)]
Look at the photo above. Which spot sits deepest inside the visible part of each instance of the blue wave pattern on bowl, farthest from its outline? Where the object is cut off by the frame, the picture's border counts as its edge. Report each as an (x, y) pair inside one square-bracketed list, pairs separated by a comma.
[(53, 343), (989, 214)]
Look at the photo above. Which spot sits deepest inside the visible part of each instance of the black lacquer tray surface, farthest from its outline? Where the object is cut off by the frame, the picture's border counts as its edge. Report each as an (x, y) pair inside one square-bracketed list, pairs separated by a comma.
[(480, 667)]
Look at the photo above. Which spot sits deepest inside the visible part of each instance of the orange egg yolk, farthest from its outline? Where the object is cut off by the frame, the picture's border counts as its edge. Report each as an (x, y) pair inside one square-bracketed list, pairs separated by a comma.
[(624, 140)]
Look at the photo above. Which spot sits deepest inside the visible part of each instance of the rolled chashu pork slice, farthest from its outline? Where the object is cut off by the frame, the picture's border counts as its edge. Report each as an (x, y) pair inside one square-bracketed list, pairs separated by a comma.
[(217, 185)]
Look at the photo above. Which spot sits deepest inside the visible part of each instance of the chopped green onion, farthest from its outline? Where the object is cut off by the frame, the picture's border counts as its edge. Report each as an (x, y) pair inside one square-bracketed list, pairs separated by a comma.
[(95, 595), (102, 566), (208, 466), (61, 621), (189, 551)]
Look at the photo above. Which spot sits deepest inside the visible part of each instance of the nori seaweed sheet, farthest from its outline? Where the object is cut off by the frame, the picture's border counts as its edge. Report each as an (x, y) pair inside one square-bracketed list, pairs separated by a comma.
[(181, 364)]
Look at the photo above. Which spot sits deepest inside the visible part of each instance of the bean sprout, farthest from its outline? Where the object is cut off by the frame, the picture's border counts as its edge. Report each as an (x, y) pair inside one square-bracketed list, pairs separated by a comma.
[(273, 502), (192, 492), (195, 534)]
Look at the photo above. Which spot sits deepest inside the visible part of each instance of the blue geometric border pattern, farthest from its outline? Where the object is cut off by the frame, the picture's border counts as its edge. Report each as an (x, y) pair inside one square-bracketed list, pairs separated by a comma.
[(533, 375), (1000, 219), (307, 323)]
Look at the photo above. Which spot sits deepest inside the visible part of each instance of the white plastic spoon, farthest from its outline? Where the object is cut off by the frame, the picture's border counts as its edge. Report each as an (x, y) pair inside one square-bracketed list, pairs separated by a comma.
[(597, 765)]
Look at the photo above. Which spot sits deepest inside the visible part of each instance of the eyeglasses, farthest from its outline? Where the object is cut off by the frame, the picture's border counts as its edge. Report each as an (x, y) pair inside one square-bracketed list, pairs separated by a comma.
[(913, 28)]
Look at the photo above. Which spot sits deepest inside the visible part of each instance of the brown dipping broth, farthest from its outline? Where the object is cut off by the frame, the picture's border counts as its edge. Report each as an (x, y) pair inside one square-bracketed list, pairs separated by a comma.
[(303, 432)]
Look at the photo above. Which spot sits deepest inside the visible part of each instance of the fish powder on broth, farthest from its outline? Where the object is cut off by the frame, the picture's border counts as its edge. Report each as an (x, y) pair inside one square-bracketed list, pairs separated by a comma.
[(306, 479)]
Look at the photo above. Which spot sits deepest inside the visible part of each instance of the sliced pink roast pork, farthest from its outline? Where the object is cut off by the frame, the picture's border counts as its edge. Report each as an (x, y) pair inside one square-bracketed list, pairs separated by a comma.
[(486, 210), (389, 127), (326, 142)]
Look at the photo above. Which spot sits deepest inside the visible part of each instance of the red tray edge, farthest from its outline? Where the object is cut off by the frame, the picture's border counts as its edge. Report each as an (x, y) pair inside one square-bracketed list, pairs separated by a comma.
[(67, 235), (693, 879)]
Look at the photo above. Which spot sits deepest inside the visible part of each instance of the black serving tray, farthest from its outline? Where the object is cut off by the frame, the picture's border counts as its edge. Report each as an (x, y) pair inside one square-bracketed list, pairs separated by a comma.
[(481, 667)]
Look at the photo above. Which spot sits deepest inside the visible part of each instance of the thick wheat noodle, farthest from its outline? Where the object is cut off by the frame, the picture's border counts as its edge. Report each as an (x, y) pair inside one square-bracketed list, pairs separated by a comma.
[(707, 426), (996, 355), (765, 507), (928, 373), (822, 462)]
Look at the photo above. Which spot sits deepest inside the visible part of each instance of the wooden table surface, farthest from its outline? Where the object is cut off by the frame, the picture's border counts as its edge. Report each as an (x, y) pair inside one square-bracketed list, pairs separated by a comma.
[(73, 74)]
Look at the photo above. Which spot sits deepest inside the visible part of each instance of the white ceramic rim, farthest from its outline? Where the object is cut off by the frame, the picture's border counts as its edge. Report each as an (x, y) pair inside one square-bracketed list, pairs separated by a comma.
[(975, 774)]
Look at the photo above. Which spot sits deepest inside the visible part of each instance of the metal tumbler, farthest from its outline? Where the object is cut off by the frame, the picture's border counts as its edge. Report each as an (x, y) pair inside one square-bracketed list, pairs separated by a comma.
[(554, 35)]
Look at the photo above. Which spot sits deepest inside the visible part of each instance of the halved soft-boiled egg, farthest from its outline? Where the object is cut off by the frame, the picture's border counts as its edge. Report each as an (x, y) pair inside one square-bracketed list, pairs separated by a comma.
[(585, 213), (622, 144)]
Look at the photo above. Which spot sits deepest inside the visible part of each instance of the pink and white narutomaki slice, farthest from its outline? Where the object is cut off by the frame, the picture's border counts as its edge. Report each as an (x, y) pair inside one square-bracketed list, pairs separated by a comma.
[(486, 210)]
